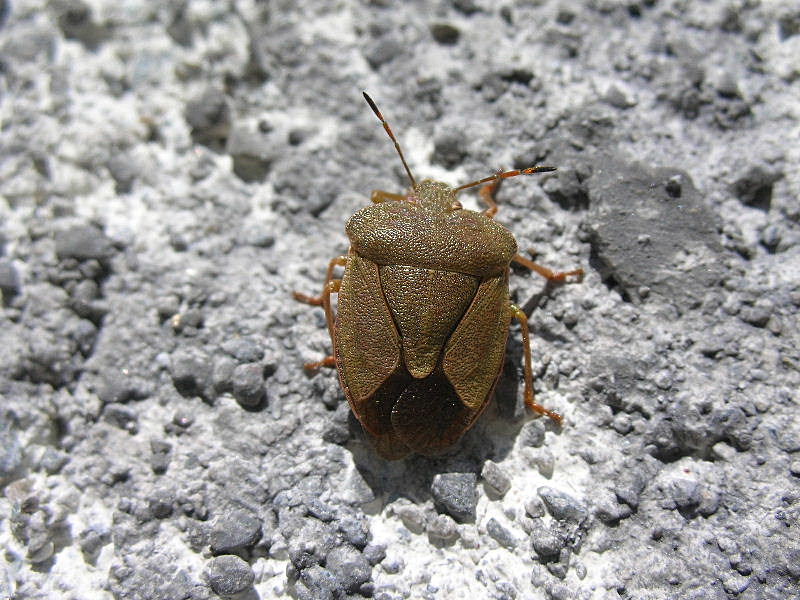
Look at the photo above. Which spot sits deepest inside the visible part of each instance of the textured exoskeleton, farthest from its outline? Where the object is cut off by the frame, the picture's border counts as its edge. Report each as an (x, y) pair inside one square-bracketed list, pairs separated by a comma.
[(423, 314)]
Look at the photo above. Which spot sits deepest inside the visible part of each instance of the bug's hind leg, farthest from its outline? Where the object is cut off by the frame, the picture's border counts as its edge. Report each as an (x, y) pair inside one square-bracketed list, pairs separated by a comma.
[(555, 276), (530, 402)]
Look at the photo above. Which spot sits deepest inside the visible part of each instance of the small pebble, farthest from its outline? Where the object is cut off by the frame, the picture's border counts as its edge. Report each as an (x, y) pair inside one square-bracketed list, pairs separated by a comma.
[(442, 529), (412, 517), (349, 566), (248, 385), (375, 553), (546, 542), (159, 456), (501, 534), (234, 532), (228, 575), (561, 505), (496, 478), (456, 495), (83, 242)]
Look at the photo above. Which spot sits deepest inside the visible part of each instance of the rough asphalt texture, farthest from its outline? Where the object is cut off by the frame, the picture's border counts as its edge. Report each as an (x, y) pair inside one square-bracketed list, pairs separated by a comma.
[(171, 172)]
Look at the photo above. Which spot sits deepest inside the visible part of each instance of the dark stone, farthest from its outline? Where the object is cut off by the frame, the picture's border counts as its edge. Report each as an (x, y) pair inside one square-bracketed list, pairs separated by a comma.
[(349, 566), (190, 372), (495, 478), (228, 575), (449, 149), (209, 118), (9, 280), (75, 22), (248, 385), (561, 505), (319, 584), (788, 25), (222, 375), (456, 495), (319, 510), (161, 504), (244, 350), (311, 541), (122, 416), (83, 242), (159, 456), (532, 434), (754, 187), (468, 7), (91, 542), (355, 531), (442, 530), (445, 34), (546, 542), (253, 153), (123, 171), (500, 534), (568, 188), (383, 51), (234, 533), (337, 430), (375, 553)]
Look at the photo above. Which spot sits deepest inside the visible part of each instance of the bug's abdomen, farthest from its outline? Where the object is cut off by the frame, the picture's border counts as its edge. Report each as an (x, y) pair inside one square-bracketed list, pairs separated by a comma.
[(427, 305)]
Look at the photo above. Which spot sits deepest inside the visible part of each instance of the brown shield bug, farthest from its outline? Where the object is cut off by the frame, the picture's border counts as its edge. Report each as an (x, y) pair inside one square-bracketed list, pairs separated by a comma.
[(423, 312)]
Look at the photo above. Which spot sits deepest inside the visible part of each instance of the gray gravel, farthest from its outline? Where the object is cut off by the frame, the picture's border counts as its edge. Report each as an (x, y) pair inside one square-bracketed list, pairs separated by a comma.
[(171, 172)]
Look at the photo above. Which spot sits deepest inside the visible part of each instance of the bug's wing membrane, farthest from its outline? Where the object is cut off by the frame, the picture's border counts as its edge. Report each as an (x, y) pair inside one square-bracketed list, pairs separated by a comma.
[(367, 345), (427, 306), (473, 357), (429, 416)]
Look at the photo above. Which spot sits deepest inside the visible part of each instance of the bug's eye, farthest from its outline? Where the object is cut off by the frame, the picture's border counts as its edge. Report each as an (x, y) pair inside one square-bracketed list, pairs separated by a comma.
[(456, 205)]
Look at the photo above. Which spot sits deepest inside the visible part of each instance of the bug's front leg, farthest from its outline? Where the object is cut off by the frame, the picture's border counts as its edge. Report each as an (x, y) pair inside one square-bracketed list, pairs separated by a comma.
[(487, 193), (526, 348), (379, 196), (331, 286)]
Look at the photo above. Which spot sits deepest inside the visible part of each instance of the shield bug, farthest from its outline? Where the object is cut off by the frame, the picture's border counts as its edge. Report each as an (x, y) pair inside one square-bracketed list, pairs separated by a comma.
[(423, 312)]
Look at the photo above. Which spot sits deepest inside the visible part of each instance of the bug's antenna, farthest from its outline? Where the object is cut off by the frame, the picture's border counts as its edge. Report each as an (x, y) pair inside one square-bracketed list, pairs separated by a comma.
[(505, 175), (391, 135)]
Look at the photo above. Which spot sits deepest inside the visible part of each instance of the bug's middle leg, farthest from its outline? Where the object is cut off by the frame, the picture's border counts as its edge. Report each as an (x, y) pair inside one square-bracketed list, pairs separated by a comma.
[(517, 313), (331, 286)]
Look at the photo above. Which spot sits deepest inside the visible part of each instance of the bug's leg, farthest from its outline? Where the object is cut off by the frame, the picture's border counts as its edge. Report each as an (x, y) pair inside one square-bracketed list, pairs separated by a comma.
[(331, 286), (328, 361), (339, 261), (324, 300), (379, 196), (557, 276), (487, 193), (526, 347)]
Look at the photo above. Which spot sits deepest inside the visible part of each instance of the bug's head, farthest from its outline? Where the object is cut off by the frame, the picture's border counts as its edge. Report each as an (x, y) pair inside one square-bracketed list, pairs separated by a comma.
[(434, 196)]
